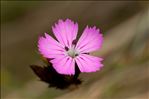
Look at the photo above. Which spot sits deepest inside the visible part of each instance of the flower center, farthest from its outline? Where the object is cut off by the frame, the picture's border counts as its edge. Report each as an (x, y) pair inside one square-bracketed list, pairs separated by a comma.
[(72, 52)]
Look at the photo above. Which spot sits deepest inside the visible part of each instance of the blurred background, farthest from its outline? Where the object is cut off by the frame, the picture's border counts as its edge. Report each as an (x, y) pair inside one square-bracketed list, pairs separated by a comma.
[(125, 25)]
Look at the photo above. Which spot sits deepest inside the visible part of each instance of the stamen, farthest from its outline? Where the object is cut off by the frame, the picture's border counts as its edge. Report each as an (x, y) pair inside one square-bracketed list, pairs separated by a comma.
[(72, 52)]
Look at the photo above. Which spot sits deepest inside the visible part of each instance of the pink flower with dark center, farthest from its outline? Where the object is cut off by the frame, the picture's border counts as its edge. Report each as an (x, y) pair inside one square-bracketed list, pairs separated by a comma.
[(66, 51)]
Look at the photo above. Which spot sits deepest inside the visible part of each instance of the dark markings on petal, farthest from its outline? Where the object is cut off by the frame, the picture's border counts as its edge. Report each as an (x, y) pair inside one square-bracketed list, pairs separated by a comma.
[(66, 48), (49, 75), (76, 54), (49, 59), (86, 53), (74, 42)]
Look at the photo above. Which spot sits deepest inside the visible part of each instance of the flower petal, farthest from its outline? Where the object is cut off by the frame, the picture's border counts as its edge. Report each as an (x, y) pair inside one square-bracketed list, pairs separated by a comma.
[(64, 65), (49, 47), (87, 63), (90, 40), (65, 32)]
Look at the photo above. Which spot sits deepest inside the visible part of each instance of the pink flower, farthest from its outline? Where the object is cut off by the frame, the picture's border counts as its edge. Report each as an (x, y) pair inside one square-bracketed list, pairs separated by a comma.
[(65, 51)]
